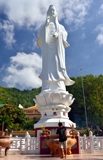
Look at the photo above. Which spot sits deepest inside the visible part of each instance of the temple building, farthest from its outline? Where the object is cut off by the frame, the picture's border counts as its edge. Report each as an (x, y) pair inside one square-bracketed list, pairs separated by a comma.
[(32, 112)]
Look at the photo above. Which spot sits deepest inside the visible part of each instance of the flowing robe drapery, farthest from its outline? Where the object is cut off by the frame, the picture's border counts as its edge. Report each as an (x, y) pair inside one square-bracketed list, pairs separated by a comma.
[(53, 54)]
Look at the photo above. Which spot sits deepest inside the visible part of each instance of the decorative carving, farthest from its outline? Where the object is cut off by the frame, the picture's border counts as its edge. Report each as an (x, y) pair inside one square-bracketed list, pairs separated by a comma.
[(54, 98), (73, 131), (55, 113)]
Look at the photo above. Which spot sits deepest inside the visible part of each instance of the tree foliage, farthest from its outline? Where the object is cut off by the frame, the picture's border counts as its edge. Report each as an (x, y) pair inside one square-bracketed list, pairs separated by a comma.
[(93, 93), (15, 96), (14, 119)]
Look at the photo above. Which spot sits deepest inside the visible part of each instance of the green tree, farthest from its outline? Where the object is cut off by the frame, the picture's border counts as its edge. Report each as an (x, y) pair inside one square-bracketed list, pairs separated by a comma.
[(14, 119), (93, 96)]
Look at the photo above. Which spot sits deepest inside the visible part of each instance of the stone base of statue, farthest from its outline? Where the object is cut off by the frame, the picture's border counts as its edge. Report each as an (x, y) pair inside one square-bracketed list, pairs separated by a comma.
[(54, 107)]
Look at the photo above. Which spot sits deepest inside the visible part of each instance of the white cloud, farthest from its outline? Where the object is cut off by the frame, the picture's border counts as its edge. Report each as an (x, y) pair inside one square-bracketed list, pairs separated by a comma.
[(101, 10), (75, 11), (8, 34), (23, 71), (99, 37), (83, 36), (99, 28), (33, 13)]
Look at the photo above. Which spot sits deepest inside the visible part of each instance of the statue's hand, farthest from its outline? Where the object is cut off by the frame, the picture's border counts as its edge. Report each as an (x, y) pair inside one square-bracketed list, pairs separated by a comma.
[(47, 22), (55, 35)]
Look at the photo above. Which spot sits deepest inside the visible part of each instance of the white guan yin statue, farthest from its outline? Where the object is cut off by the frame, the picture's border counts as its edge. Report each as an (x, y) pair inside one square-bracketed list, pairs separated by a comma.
[(54, 100)]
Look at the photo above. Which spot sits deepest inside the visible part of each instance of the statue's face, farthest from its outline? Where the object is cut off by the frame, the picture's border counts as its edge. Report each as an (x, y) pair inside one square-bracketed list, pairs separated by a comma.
[(52, 12)]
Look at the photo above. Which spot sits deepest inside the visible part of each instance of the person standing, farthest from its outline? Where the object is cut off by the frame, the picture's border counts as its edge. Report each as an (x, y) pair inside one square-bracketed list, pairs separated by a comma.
[(61, 132)]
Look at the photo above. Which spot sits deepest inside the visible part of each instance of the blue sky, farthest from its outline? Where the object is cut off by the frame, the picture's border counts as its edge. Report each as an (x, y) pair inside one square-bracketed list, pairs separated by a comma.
[(20, 57)]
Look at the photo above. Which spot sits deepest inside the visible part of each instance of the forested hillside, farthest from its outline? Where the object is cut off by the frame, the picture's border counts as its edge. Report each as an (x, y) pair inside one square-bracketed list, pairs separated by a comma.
[(93, 89), (15, 96)]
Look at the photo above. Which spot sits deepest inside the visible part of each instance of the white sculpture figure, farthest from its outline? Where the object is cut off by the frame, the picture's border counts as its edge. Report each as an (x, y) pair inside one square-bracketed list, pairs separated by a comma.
[(53, 101), (52, 41)]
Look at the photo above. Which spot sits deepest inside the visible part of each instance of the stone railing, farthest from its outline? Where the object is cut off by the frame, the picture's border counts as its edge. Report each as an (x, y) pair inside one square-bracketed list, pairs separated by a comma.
[(90, 144), (26, 145), (31, 145)]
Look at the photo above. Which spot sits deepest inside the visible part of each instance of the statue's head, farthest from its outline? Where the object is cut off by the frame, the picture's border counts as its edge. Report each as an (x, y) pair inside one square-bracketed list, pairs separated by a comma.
[(52, 11)]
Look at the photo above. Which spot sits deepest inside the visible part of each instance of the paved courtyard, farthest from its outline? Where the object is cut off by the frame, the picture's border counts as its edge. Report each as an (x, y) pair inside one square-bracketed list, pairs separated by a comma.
[(44, 157)]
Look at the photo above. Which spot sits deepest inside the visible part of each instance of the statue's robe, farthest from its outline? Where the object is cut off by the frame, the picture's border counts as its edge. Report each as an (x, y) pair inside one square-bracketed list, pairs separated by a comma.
[(53, 56)]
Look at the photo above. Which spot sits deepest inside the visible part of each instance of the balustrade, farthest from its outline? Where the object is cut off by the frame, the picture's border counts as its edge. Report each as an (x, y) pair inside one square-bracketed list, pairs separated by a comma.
[(31, 145)]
